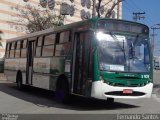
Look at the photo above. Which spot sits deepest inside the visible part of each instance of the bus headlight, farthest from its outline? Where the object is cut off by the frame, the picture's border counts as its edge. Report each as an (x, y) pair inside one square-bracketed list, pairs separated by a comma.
[(100, 36)]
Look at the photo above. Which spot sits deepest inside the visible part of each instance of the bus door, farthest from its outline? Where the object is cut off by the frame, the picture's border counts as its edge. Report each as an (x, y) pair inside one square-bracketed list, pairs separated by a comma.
[(30, 58), (81, 63)]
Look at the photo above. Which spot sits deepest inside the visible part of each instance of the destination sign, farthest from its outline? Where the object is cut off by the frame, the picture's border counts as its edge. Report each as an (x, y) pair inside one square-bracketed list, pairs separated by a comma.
[(122, 26)]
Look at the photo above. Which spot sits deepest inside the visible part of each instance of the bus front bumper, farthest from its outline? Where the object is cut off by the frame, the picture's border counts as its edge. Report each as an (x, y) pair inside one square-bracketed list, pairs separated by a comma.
[(102, 90)]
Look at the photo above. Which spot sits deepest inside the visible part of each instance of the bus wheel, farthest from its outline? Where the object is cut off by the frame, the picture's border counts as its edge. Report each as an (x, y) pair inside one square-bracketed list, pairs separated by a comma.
[(62, 92), (110, 100), (19, 81)]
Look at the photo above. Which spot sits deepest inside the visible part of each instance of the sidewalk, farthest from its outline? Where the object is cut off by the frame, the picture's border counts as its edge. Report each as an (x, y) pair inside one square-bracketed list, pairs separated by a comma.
[(2, 77)]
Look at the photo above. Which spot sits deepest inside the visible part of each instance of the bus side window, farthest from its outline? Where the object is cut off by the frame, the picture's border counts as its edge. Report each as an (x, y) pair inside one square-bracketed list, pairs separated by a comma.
[(56, 42), (64, 37), (7, 50), (63, 49), (48, 47), (64, 46), (10, 46), (24, 49), (15, 47), (17, 50), (39, 46), (12, 50), (50, 39), (21, 47)]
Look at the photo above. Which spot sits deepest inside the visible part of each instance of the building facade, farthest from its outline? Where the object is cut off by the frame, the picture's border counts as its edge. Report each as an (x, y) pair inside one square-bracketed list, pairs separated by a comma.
[(81, 9)]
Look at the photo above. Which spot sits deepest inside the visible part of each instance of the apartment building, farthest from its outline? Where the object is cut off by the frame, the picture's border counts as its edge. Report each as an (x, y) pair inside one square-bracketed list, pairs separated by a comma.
[(9, 14)]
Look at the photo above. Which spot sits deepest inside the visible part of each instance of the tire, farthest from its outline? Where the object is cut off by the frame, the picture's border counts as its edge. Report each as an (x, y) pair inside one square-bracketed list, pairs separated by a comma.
[(19, 81), (62, 92), (110, 101)]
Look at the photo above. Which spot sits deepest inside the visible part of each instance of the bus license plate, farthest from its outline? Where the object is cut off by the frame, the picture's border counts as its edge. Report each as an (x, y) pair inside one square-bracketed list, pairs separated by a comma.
[(127, 91)]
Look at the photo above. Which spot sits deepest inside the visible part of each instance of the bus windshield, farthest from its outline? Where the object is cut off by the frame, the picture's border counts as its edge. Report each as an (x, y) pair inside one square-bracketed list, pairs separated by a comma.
[(119, 52)]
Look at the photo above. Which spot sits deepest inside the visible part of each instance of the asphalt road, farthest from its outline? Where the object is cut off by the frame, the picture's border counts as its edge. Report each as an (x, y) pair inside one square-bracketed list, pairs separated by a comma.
[(37, 101)]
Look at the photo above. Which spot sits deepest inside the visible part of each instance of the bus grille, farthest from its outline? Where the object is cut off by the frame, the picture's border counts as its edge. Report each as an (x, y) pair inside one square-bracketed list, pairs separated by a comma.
[(126, 85), (120, 93)]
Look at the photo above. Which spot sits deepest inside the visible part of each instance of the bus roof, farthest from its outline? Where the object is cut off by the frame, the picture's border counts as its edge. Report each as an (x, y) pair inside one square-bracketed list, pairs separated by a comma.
[(50, 30), (60, 28)]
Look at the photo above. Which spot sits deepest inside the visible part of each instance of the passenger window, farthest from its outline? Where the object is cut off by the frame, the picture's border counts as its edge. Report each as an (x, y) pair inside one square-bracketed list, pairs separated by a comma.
[(17, 53), (49, 39), (63, 49), (18, 44), (17, 49), (48, 50), (64, 37), (7, 50), (23, 52), (13, 45), (11, 53), (39, 46), (40, 41), (25, 44), (38, 51)]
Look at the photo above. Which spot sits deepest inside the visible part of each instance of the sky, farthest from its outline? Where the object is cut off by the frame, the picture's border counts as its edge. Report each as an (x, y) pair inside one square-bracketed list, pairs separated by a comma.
[(152, 16)]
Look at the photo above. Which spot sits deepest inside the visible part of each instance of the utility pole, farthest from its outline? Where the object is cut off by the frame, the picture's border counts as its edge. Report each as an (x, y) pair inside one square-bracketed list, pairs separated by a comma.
[(138, 15), (154, 27)]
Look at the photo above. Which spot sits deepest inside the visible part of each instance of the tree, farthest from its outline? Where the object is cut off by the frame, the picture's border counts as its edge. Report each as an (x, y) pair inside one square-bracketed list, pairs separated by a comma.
[(109, 12), (99, 6), (36, 19)]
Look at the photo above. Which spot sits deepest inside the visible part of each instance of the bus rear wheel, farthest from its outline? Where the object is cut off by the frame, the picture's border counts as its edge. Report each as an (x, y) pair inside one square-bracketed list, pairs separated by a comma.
[(62, 92)]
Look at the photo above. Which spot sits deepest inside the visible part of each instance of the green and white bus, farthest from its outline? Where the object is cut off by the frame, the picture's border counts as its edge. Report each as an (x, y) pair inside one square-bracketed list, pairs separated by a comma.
[(99, 58)]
